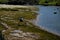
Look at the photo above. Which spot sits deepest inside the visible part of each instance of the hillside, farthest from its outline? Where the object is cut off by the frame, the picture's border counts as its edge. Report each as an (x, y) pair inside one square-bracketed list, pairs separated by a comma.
[(49, 2)]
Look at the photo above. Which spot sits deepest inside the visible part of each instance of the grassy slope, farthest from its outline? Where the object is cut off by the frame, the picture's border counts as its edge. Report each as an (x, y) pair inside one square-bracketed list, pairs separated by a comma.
[(14, 15), (49, 2)]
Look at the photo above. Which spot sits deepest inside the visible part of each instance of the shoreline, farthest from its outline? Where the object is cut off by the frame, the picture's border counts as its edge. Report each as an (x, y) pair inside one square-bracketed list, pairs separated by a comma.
[(42, 28), (46, 30)]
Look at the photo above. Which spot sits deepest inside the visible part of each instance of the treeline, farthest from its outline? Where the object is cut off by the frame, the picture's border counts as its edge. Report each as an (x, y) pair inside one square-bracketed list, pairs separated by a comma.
[(20, 2), (49, 2), (31, 2)]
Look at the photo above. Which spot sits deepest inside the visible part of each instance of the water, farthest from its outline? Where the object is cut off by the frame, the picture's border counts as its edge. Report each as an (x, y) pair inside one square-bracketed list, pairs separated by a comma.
[(47, 20)]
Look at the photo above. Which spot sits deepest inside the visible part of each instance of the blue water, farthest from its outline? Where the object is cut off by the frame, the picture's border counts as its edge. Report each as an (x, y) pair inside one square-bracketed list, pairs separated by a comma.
[(49, 21)]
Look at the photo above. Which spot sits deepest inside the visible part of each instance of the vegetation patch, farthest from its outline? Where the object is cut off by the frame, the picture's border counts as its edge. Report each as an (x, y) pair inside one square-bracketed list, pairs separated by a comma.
[(49, 2)]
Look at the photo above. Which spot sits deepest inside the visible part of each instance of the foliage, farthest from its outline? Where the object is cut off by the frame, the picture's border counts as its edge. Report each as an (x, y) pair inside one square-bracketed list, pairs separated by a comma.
[(20, 2)]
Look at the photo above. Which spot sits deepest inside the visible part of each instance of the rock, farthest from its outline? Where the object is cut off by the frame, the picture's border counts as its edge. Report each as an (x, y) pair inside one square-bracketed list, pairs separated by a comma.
[(16, 35), (25, 35), (20, 35), (3, 31), (55, 12), (16, 31)]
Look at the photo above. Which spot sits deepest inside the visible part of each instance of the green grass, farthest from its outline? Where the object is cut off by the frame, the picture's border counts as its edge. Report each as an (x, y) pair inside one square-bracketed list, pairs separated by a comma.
[(14, 15), (1, 27), (3, 0), (49, 2)]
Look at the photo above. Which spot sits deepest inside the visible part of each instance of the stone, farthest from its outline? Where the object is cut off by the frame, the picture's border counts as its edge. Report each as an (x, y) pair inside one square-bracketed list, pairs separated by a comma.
[(16, 31), (20, 35), (16, 35), (3, 31), (55, 12)]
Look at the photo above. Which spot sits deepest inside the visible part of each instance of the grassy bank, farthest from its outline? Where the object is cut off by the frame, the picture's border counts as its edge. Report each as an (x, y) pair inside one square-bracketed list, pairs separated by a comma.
[(9, 15), (50, 2), (11, 18)]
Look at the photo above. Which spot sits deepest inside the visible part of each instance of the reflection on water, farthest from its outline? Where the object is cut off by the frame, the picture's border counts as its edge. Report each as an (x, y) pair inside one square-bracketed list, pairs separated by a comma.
[(49, 18)]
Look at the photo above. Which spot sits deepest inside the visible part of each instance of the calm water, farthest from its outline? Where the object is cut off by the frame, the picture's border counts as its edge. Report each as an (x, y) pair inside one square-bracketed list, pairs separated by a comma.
[(48, 20)]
